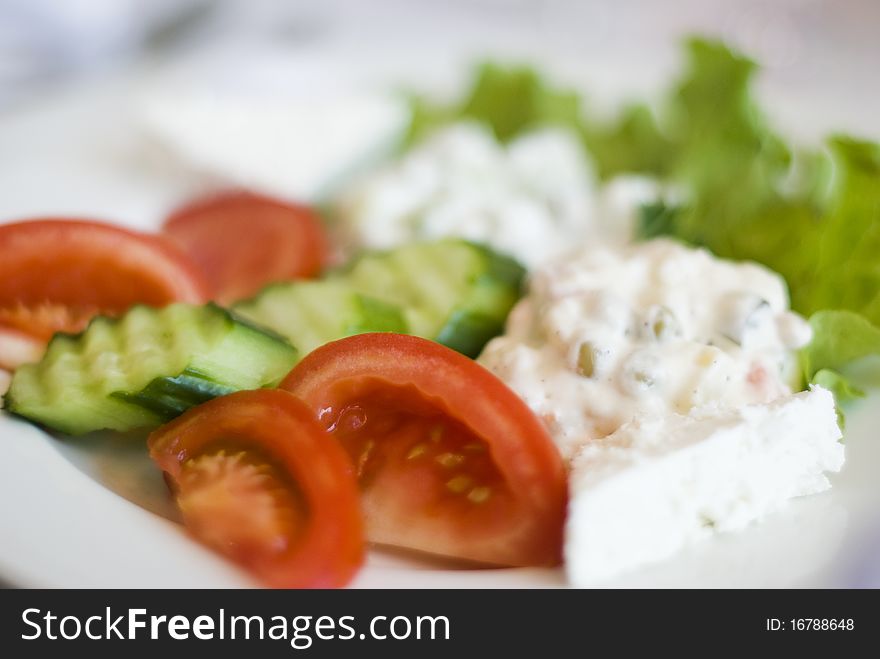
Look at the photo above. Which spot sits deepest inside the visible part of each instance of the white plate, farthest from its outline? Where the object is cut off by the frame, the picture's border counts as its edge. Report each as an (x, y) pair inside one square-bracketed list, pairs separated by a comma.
[(95, 512)]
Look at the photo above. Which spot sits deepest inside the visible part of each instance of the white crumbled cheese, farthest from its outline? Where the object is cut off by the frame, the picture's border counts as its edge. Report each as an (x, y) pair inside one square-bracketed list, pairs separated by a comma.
[(532, 198), (661, 483), (653, 328)]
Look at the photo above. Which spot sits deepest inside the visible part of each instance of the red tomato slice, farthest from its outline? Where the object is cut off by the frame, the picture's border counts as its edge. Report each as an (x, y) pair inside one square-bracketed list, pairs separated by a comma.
[(450, 461), (243, 241), (56, 274), (257, 479)]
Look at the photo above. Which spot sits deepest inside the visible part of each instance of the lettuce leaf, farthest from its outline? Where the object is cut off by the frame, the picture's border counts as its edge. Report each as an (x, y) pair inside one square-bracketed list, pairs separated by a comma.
[(839, 385), (657, 219), (829, 252), (841, 341), (847, 273), (509, 100), (631, 142), (720, 147), (726, 155)]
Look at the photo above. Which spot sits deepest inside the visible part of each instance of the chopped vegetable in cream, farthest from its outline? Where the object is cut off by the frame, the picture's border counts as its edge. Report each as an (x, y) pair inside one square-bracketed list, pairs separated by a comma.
[(654, 328)]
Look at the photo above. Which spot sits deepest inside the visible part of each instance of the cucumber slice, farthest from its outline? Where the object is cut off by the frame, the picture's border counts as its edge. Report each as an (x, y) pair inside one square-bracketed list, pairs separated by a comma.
[(453, 291), (146, 367), (312, 313)]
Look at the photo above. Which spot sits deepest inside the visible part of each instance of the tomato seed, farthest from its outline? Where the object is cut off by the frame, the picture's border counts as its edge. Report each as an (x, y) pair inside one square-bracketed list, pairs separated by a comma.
[(369, 445), (450, 460), (479, 494), (459, 484)]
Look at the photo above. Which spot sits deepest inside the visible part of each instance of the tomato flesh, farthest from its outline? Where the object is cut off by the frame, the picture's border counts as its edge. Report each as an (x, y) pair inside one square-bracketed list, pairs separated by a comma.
[(239, 503), (422, 475), (56, 274), (243, 241), (257, 479), (449, 460)]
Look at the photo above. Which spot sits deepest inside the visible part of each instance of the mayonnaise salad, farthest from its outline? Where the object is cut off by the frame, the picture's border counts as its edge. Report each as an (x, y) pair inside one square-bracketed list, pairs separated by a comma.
[(532, 198), (651, 328)]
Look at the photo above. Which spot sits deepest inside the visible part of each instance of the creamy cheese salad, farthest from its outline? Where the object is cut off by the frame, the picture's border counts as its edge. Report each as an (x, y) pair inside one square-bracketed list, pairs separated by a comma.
[(653, 328), (532, 198)]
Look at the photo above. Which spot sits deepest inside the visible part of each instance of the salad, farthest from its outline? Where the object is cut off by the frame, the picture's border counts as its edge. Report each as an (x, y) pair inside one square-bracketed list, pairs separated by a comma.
[(529, 337)]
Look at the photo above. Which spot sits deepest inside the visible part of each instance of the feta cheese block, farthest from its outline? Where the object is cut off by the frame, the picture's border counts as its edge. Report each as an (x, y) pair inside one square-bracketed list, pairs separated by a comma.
[(609, 332), (295, 147), (658, 484)]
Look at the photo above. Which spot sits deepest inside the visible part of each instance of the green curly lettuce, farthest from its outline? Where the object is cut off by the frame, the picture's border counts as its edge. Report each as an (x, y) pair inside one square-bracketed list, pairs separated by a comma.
[(509, 100), (630, 142), (843, 355)]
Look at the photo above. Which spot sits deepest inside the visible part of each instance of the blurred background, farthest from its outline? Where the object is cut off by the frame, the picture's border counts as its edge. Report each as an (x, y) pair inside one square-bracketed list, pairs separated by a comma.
[(622, 45), (290, 95)]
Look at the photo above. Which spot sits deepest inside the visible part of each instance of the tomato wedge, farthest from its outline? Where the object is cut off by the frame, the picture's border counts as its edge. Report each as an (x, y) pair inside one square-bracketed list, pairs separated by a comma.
[(258, 480), (449, 460), (243, 241), (56, 274)]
